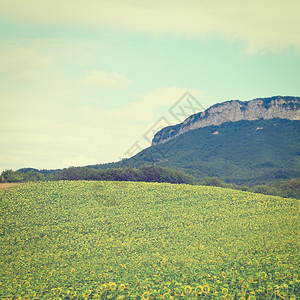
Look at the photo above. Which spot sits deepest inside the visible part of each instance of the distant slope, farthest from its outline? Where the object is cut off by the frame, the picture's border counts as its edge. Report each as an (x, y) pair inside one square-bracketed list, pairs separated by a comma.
[(244, 152)]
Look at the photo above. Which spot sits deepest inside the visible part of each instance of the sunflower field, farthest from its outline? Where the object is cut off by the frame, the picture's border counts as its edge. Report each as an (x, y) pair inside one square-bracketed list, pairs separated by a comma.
[(134, 240)]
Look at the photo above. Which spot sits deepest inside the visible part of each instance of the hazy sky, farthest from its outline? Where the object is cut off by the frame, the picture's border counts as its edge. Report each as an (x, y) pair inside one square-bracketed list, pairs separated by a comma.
[(83, 81)]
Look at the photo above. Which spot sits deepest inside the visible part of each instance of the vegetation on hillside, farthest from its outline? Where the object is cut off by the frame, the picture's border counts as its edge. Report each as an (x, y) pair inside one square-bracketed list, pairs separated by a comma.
[(150, 173), (244, 153), (282, 188), (146, 173), (130, 240)]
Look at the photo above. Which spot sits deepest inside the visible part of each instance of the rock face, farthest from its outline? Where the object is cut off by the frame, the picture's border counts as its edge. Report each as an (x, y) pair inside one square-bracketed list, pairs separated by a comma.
[(233, 111)]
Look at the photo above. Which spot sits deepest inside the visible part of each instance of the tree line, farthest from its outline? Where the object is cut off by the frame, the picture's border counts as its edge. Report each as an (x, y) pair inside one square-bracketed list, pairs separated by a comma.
[(283, 188), (147, 173)]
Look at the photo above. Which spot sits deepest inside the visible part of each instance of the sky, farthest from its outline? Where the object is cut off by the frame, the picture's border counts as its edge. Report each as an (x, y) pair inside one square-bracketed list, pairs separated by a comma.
[(90, 81)]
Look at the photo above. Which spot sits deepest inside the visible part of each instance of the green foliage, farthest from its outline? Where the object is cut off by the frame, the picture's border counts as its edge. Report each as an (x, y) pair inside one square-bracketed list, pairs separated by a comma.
[(126, 240), (151, 173), (11, 176), (286, 189), (214, 181), (71, 173), (147, 173), (33, 176), (18, 176), (240, 154), (282, 188)]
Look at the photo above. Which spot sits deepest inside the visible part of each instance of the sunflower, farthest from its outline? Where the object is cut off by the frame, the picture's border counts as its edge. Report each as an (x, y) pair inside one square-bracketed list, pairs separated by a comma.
[(224, 290), (179, 290), (206, 289), (188, 289), (146, 295), (252, 297), (122, 287), (56, 291), (71, 294), (263, 275), (113, 286), (199, 289), (167, 296)]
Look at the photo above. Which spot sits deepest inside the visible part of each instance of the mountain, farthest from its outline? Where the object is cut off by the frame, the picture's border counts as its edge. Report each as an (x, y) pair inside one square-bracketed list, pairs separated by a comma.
[(243, 152), (233, 111), (249, 143), (252, 142)]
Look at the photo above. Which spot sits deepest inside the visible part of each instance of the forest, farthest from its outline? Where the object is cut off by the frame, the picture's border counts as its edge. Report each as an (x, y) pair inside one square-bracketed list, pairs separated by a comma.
[(147, 173)]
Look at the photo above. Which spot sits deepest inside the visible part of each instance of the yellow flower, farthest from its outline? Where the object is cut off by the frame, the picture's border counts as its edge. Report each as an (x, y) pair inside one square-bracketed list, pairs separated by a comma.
[(113, 286), (166, 296), (56, 291), (199, 289), (263, 275), (71, 295), (122, 287), (224, 290), (146, 295), (187, 289)]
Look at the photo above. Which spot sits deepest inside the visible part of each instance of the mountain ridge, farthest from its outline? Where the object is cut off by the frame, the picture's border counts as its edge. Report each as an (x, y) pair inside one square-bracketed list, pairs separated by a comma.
[(243, 152), (283, 107)]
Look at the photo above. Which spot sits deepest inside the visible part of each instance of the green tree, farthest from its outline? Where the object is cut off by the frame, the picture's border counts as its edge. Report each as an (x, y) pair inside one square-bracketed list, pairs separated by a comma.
[(71, 173), (12, 176), (214, 181), (33, 176)]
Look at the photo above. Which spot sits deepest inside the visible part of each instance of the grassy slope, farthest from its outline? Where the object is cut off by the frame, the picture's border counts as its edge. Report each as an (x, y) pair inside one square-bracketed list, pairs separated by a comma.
[(60, 237)]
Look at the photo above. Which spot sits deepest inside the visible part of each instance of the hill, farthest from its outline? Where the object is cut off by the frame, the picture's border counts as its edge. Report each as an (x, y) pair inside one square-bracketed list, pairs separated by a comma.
[(124, 240), (243, 152)]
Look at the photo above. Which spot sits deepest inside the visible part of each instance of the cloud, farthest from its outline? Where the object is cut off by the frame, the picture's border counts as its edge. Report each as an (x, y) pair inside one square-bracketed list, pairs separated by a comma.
[(149, 107), (23, 63), (136, 121), (156, 109), (48, 133), (157, 103), (107, 80), (262, 24)]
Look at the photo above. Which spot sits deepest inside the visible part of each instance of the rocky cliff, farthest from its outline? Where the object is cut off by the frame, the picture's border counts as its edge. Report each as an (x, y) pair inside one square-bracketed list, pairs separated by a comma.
[(233, 111)]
